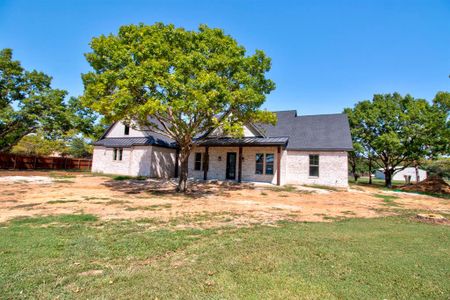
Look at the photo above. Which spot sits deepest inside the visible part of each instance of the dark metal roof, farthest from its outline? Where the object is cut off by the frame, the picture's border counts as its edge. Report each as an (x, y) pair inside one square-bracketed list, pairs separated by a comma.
[(315, 132), (246, 141), (127, 142)]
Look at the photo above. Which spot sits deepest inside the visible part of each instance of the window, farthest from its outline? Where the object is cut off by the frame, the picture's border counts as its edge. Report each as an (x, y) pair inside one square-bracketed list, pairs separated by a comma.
[(126, 130), (314, 165), (117, 153), (259, 163), (198, 161), (269, 164), (266, 164)]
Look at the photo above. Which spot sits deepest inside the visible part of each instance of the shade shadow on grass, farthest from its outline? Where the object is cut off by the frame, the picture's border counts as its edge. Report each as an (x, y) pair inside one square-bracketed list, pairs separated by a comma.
[(61, 201), (388, 200), (70, 219), (150, 207)]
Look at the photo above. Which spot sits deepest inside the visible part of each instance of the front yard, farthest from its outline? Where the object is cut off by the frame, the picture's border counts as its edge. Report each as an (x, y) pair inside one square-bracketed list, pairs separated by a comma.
[(84, 236)]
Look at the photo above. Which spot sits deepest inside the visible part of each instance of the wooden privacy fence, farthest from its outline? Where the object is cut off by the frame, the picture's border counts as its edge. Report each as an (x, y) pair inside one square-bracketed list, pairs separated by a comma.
[(24, 162)]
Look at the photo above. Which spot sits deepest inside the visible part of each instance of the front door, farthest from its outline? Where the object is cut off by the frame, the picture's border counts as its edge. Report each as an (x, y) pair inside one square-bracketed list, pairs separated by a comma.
[(231, 165)]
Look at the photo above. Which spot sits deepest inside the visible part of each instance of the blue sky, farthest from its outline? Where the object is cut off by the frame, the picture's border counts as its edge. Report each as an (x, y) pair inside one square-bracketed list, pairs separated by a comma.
[(326, 55)]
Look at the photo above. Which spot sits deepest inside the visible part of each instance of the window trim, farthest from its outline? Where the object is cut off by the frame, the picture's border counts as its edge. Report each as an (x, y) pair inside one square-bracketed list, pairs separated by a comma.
[(264, 164), (271, 163), (115, 154), (310, 165), (259, 163), (118, 154), (199, 162)]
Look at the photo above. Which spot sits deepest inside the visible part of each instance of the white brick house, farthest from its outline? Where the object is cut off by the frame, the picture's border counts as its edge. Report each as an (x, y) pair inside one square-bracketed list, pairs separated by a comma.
[(298, 150)]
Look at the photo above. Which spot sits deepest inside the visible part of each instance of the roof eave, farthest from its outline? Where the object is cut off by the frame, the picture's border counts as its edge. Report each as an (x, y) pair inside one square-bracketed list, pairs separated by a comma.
[(321, 149)]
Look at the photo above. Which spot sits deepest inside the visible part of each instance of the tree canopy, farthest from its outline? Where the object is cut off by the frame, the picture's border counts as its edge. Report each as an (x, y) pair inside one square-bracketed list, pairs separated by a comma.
[(177, 82), (400, 130), (28, 104), (37, 144)]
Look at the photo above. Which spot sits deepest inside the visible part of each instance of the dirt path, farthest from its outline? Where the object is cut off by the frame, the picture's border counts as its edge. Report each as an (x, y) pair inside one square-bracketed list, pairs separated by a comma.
[(207, 205)]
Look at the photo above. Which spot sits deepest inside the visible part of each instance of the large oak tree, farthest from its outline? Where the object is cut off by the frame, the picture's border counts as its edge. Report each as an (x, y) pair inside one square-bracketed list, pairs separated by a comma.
[(177, 82), (397, 131)]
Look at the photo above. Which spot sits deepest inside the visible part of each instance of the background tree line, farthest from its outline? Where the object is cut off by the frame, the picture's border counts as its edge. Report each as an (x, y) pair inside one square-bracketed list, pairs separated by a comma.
[(393, 132), (38, 119)]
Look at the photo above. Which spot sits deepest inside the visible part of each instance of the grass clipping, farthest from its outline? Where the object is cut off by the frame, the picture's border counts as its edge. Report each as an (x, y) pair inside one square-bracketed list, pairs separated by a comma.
[(433, 184)]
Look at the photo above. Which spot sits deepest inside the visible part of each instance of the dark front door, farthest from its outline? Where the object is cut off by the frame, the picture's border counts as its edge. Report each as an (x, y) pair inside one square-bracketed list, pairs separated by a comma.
[(231, 165)]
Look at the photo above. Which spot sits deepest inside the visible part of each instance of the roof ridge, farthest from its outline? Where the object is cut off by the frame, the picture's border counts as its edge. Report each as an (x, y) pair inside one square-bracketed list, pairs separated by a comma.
[(275, 111), (318, 115), (130, 137)]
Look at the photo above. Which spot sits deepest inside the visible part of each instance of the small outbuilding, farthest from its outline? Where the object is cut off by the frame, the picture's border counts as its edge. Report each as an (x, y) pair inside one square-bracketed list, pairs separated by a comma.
[(400, 174)]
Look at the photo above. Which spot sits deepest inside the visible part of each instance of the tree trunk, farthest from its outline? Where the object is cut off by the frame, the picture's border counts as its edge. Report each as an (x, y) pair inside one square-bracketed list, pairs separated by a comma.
[(416, 166), (185, 151), (388, 178), (370, 170), (355, 176), (352, 162)]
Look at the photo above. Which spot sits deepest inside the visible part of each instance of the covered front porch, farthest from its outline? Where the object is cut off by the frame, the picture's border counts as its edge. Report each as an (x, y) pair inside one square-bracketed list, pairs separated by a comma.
[(239, 159)]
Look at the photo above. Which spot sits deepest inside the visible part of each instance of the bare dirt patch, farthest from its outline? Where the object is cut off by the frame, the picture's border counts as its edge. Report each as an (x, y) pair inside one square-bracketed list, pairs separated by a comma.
[(433, 184), (26, 179), (433, 218), (206, 205)]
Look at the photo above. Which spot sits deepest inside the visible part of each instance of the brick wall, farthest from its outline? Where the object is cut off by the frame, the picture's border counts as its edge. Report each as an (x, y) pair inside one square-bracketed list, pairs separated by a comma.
[(162, 162), (333, 170)]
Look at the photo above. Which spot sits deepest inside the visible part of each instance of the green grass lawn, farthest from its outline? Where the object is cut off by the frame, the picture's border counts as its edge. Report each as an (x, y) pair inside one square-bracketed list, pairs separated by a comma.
[(375, 181), (384, 258)]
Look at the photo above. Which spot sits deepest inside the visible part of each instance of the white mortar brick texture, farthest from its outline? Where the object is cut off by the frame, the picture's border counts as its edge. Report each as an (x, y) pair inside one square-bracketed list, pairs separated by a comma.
[(333, 170), (102, 161), (140, 160), (162, 162), (136, 161)]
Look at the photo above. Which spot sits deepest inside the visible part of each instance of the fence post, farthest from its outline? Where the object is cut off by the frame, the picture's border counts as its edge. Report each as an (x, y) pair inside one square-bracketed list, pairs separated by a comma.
[(79, 160), (34, 164), (15, 159)]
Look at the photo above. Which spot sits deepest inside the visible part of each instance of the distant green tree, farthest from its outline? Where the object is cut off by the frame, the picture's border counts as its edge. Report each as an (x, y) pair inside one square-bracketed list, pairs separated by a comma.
[(37, 144), (398, 131), (78, 147), (176, 82), (439, 167), (354, 161)]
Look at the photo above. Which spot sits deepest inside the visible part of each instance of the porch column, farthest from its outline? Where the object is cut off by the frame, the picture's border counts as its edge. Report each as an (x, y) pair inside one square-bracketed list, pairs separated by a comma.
[(240, 165), (177, 153), (206, 163), (278, 165)]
